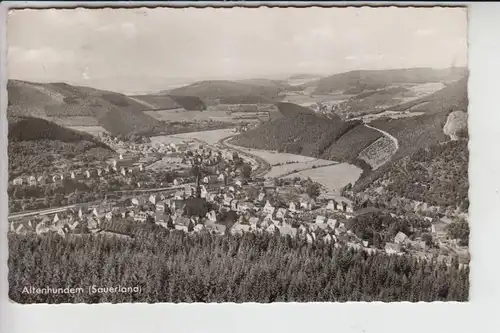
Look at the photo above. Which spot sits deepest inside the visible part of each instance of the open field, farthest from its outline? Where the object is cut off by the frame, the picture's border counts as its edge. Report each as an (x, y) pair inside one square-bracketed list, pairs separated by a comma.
[(210, 137), (166, 164), (182, 115), (333, 177), (389, 114), (307, 99), (74, 121), (273, 157), (94, 130), (284, 169)]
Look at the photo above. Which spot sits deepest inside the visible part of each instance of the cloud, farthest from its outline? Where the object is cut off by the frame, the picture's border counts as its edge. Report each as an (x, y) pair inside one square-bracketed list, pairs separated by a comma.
[(40, 55), (325, 32), (425, 32), (129, 29)]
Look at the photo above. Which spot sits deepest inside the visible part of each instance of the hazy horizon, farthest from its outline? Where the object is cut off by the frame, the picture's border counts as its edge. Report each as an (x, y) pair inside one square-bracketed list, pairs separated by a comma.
[(132, 51)]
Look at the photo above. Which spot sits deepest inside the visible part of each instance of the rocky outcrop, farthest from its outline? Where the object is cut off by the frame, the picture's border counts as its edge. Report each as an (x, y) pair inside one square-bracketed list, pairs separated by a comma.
[(456, 125)]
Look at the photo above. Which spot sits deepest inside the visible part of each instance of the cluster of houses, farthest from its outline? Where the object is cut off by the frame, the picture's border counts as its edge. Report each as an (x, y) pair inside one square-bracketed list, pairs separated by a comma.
[(228, 210), (124, 164)]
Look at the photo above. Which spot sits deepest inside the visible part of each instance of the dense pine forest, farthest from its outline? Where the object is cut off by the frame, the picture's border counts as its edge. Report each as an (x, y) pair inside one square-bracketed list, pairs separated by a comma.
[(176, 267)]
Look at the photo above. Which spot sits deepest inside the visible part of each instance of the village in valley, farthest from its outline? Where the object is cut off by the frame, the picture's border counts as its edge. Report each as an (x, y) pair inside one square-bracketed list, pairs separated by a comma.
[(191, 186)]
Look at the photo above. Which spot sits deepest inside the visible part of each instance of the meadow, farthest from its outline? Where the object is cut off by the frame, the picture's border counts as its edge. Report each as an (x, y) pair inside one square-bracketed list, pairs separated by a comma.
[(333, 177), (284, 169)]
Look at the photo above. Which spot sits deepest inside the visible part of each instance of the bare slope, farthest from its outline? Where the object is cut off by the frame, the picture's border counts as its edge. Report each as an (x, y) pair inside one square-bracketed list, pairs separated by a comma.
[(452, 97), (115, 112)]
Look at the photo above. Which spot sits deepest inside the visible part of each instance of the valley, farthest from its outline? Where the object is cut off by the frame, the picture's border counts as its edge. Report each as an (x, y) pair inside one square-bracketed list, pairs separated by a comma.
[(322, 160)]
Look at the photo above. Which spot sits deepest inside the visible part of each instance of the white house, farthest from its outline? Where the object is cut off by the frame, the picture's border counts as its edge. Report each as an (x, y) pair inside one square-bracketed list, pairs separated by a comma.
[(154, 199), (222, 176), (203, 191), (306, 204), (327, 239), (400, 238), (212, 216), (211, 197), (331, 223), (272, 229), (268, 208), (18, 181), (332, 205), (320, 219), (32, 181), (140, 217), (391, 248), (239, 229), (281, 213)]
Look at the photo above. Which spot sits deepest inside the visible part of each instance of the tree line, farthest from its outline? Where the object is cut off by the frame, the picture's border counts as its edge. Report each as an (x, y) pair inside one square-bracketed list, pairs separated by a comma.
[(171, 266)]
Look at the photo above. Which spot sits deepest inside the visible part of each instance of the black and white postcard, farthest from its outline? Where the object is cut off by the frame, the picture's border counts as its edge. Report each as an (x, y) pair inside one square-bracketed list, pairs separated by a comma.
[(187, 155)]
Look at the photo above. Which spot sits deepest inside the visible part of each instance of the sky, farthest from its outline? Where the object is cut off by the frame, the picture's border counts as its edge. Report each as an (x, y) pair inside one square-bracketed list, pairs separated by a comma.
[(146, 49)]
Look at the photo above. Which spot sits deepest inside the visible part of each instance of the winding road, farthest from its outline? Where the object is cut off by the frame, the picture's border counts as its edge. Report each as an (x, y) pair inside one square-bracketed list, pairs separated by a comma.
[(263, 166)]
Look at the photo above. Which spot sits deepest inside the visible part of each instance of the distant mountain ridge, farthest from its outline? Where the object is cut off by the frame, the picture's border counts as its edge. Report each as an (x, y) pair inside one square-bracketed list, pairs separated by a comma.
[(163, 101), (233, 92), (359, 80)]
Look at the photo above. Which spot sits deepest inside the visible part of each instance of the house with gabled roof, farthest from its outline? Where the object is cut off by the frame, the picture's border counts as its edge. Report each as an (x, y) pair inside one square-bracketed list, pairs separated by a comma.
[(287, 229), (99, 212), (203, 191), (162, 206), (400, 238), (293, 206), (32, 181), (392, 248), (42, 180), (281, 213), (154, 198), (320, 219), (332, 223), (138, 201), (332, 205), (268, 208), (178, 181), (307, 203), (239, 229), (18, 181)]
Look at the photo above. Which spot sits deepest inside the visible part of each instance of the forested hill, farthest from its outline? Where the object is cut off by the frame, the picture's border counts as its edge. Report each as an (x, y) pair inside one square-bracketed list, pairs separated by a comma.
[(233, 92), (79, 106), (301, 131), (360, 80), (437, 175), (31, 128), (169, 102), (176, 267), (36, 144)]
